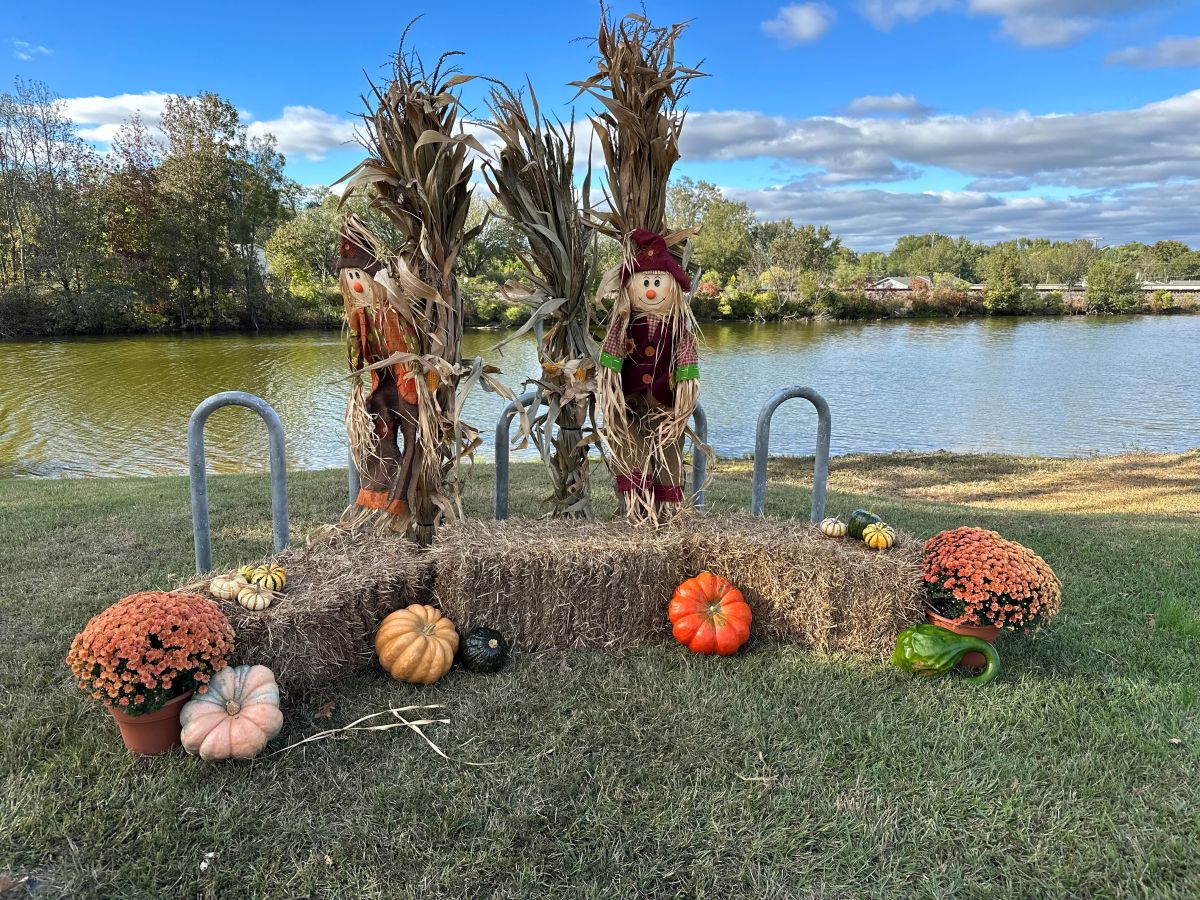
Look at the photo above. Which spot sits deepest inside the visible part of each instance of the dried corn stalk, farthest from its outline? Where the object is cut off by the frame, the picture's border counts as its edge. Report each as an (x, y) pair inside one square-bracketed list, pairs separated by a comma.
[(532, 176), (418, 174), (644, 415)]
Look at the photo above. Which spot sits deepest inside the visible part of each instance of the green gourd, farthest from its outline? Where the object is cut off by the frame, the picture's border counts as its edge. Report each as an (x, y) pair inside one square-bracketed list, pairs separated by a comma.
[(932, 651), (859, 520), (484, 650)]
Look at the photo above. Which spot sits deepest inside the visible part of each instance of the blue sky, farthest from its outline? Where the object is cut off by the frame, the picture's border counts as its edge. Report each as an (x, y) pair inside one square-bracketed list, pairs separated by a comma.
[(989, 118)]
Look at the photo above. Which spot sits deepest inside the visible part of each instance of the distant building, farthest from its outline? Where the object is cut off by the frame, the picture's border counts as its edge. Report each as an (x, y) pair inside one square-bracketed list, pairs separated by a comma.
[(902, 283)]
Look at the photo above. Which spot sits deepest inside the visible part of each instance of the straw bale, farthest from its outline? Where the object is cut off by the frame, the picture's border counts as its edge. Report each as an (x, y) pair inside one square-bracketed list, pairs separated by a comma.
[(548, 585), (323, 627), (805, 588)]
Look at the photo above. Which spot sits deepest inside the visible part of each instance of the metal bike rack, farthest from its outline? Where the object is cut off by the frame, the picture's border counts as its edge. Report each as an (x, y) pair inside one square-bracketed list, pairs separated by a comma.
[(504, 426), (201, 536), (762, 441)]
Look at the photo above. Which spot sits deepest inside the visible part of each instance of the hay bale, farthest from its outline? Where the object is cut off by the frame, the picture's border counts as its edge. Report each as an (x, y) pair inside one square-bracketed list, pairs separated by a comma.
[(323, 628), (818, 592), (551, 585)]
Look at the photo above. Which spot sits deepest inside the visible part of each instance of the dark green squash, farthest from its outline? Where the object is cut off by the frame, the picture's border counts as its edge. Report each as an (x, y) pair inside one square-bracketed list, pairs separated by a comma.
[(484, 650), (859, 520), (932, 651)]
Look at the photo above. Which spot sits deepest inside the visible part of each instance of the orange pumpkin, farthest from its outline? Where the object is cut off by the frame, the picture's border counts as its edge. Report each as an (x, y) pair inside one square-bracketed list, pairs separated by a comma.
[(709, 615), (416, 644)]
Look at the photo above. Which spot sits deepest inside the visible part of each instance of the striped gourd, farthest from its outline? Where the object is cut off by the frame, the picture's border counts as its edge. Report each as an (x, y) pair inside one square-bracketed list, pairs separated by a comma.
[(246, 572), (270, 576), (227, 587), (254, 597), (879, 536)]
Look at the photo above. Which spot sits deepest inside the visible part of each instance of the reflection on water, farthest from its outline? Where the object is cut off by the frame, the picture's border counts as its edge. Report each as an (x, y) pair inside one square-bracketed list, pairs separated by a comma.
[(119, 406)]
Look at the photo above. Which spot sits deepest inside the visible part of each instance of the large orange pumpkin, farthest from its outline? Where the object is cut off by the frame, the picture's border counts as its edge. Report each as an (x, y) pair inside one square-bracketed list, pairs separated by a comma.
[(709, 615), (416, 644)]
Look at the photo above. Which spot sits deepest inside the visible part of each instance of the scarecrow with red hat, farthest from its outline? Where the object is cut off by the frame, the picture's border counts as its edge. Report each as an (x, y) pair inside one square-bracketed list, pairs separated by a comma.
[(650, 379), (649, 373), (382, 419)]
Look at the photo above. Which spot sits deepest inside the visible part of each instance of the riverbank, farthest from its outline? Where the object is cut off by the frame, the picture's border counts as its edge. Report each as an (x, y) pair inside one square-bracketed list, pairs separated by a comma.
[(47, 314), (768, 774)]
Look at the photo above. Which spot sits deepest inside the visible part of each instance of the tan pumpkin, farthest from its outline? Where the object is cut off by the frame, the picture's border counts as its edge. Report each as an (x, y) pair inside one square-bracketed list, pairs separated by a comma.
[(879, 536), (270, 576), (416, 644), (255, 597), (235, 717), (227, 587), (834, 528)]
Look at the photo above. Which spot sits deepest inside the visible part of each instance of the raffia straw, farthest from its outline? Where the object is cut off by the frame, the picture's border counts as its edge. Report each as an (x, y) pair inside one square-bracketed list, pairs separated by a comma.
[(357, 726)]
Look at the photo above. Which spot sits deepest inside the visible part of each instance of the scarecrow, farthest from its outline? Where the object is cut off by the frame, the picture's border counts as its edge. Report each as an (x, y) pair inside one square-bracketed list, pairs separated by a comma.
[(649, 373), (381, 420), (650, 379)]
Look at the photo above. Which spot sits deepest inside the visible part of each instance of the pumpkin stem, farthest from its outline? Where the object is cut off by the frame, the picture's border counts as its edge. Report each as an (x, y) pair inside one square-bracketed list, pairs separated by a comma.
[(233, 707)]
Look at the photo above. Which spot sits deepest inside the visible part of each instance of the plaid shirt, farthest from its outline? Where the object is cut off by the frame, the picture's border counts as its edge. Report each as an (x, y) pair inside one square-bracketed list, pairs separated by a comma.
[(617, 346)]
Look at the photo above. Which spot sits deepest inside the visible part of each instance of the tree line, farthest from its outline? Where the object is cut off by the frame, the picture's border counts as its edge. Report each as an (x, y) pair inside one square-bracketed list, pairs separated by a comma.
[(198, 227)]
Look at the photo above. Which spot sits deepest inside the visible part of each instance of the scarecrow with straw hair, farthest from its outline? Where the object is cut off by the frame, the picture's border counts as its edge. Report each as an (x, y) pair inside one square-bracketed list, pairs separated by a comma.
[(381, 420), (650, 378), (649, 374)]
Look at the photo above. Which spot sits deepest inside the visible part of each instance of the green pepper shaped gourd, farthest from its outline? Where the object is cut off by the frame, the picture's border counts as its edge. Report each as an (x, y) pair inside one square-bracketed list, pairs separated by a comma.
[(932, 651)]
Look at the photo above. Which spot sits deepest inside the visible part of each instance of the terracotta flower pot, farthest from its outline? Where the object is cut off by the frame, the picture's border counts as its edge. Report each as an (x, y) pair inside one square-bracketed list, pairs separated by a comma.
[(155, 732), (972, 660)]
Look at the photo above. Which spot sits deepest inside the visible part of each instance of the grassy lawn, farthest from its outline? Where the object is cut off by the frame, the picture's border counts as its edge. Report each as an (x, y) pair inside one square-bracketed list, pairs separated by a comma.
[(776, 773)]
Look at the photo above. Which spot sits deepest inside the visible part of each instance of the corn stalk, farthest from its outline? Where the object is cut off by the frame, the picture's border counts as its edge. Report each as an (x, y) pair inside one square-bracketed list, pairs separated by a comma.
[(532, 176), (418, 174)]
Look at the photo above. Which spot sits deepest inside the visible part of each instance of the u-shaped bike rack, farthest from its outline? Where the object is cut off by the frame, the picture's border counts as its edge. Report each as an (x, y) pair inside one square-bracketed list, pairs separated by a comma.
[(762, 443), (504, 427), (201, 536)]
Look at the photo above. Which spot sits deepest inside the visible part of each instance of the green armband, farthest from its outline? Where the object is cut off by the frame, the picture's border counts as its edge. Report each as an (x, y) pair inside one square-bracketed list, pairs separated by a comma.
[(687, 373), (611, 362)]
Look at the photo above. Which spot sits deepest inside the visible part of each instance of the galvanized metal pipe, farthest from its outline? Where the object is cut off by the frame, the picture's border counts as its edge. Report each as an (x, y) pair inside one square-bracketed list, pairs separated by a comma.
[(197, 471), (504, 426), (762, 442)]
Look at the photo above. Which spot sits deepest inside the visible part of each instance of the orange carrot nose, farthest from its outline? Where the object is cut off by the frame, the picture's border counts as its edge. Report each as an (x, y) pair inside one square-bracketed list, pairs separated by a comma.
[(650, 295), (358, 287)]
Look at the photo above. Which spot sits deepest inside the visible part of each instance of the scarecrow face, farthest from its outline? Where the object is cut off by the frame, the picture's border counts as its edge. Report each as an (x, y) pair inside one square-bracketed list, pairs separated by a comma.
[(356, 281), (652, 293)]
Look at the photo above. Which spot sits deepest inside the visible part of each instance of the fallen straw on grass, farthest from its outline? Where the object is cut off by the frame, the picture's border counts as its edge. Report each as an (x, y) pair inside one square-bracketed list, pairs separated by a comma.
[(414, 725)]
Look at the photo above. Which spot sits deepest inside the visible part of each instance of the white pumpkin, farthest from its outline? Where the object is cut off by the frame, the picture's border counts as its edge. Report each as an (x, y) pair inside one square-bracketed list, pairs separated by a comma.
[(227, 587), (834, 528), (255, 597), (235, 717)]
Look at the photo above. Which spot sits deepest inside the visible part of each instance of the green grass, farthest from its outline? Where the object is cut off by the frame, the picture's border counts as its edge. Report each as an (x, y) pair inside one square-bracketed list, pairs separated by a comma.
[(776, 773)]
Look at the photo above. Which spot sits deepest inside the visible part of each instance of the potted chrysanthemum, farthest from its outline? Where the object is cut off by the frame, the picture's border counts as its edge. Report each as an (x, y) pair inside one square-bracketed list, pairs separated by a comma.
[(143, 657), (979, 583)]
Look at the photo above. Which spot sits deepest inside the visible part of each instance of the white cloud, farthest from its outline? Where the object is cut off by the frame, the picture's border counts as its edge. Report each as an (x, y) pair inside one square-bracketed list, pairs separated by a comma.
[(902, 104), (1150, 143), (885, 14), (1053, 23), (1169, 52), (25, 51), (1031, 23), (300, 130), (307, 131), (800, 23), (872, 219)]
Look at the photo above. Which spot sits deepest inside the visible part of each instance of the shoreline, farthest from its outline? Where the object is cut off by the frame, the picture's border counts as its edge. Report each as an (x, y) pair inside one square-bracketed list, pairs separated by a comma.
[(494, 327)]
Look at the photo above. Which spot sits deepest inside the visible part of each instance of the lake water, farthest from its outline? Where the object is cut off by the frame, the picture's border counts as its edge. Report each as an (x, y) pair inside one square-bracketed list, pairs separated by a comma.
[(1054, 387)]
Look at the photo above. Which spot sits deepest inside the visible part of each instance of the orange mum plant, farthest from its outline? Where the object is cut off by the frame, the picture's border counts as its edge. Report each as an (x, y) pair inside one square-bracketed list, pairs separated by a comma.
[(976, 577), (149, 647)]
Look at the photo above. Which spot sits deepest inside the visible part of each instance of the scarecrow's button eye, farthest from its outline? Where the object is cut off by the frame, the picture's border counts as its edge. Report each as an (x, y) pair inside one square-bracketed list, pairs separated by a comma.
[(656, 282), (645, 282)]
